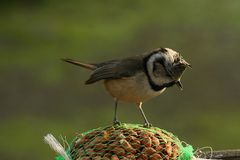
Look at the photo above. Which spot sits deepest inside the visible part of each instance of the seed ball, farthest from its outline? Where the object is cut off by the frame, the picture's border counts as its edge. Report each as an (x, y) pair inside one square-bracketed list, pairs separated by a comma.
[(125, 142)]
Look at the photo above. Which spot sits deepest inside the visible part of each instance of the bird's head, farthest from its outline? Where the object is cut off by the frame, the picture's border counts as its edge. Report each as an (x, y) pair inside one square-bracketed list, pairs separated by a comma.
[(166, 66)]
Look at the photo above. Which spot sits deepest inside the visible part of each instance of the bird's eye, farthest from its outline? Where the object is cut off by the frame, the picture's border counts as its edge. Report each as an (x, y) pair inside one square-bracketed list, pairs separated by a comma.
[(176, 60)]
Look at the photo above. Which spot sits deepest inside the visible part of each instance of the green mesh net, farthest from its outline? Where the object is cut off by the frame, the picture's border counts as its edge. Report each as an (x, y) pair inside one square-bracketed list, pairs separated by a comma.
[(128, 142)]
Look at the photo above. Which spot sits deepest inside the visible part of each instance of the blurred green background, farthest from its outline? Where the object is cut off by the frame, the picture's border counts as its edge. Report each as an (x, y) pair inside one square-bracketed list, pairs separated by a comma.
[(39, 94)]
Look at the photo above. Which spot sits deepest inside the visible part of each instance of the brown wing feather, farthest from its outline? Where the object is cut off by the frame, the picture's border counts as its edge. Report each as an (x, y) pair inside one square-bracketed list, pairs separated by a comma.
[(116, 69)]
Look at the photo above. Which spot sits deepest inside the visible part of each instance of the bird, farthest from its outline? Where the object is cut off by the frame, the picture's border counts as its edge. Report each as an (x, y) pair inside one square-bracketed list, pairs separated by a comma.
[(137, 79)]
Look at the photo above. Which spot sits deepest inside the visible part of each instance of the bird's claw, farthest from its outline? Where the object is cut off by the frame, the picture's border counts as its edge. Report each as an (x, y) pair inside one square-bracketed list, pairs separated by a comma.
[(147, 125), (116, 122)]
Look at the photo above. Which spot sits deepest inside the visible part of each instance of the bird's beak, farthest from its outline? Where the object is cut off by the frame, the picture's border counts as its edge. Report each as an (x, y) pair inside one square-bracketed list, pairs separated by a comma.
[(186, 63), (179, 84)]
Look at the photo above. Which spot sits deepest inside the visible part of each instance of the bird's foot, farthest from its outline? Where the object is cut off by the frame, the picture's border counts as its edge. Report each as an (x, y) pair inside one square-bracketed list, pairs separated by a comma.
[(116, 122), (147, 125)]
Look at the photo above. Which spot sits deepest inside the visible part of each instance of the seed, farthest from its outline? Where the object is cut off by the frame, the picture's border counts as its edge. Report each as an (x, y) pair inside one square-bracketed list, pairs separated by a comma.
[(127, 146), (155, 156), (119, 151), (114, 157), (146, 141), (149, 151), (136, 144), (142, 157), (155, 141), (97, 158), (169, 148), (130, 157)]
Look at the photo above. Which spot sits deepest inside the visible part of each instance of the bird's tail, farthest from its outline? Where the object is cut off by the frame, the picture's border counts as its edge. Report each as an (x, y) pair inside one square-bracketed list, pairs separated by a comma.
[(84, 65)]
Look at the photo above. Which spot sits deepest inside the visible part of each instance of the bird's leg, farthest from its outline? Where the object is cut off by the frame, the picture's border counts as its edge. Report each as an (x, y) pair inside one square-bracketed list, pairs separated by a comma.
[(146, 123), (115, 119)]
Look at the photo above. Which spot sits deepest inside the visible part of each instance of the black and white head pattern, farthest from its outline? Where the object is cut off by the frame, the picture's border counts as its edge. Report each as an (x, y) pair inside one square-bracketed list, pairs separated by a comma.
[(162, 68)]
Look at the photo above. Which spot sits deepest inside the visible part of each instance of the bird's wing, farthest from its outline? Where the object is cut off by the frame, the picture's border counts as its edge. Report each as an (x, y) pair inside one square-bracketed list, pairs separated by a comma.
[(116, 69)]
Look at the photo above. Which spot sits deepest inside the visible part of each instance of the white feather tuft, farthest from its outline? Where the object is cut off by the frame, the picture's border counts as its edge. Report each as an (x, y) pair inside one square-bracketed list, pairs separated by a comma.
[(56, 146)]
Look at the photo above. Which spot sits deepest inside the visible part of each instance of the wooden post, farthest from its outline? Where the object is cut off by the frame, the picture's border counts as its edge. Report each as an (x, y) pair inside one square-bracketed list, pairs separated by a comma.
[(223, 155)]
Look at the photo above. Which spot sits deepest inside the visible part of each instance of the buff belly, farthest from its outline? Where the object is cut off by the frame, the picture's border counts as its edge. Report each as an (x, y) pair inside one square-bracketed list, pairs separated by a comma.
[(131, 89)]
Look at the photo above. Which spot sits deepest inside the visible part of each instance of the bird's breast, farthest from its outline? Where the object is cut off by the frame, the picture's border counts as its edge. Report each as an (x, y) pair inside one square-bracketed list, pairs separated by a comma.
[(131, 89)]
